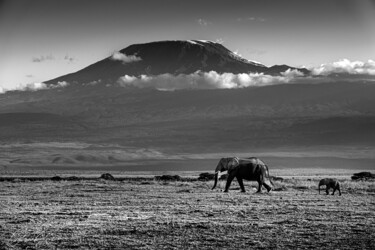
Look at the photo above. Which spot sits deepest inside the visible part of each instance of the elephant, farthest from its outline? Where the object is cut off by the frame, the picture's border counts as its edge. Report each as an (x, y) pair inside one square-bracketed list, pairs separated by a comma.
[(330, 183), (252, 169)]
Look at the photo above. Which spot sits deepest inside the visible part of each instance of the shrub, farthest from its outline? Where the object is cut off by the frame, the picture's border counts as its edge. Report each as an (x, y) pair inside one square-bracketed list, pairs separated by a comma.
[(362, 176), (206, 176), (56, 178), (168, 178), (107, 176), (72, 178)]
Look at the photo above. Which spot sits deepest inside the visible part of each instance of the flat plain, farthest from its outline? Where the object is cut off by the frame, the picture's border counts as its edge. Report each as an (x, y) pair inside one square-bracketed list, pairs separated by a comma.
[(149, 214)]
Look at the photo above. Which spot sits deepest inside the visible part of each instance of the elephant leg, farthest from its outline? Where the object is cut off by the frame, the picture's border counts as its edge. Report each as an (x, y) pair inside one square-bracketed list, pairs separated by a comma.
[(260, 183), (334, 190), (240, 181), (337, 187), (229, 181), (267, 186), (327, 189)]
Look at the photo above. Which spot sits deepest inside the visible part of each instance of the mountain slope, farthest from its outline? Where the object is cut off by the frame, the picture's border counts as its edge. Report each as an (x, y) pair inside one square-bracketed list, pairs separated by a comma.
[(196, 120), (172, 57)]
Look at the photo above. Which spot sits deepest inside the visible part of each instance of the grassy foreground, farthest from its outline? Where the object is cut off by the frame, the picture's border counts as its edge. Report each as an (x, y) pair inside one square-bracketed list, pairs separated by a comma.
[(98, 214)]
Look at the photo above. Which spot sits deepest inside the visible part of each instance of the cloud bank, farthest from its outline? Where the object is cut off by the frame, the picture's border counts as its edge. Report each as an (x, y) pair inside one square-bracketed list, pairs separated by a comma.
[(345, 66), (214, 80), (208, 80), (118, 56), (41, 85), (35, 86)]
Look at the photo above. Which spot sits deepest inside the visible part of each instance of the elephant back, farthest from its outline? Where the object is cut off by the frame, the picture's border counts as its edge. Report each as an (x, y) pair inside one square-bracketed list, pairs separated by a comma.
[(329, 181), (259, 166), (253, 160)]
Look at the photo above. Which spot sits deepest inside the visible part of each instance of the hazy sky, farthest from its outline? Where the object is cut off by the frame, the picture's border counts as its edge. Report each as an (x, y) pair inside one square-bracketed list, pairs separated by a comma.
[(43, 39)]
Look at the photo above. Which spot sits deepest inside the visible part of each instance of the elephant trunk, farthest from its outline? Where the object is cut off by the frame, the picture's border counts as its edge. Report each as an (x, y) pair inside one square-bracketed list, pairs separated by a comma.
[(268, 176), (321, 183), (216, 177)]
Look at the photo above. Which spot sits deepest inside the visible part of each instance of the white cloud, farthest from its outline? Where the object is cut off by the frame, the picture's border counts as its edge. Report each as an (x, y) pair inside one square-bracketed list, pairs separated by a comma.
[(35, 86), (92, 83), (292, 73), (237, 53), (43, 58), (208, 80), (118, 56), (252, 19), (41, 85), (345, 66), (219, 40), (61, 84), (203, 22)]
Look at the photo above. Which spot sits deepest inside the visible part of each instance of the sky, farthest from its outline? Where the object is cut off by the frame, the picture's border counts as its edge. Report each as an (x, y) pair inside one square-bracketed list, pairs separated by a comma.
[(44, 39)]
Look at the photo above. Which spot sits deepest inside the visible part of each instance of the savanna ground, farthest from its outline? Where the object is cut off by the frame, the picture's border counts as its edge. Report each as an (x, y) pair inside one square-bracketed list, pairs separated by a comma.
[(148, 214)]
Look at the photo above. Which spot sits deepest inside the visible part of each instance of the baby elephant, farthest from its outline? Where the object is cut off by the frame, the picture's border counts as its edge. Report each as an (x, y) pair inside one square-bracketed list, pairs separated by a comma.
[(330, 183)]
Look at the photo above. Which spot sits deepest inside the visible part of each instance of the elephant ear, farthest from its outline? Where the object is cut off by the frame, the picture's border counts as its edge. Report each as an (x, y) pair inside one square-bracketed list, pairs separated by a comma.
[(233, 164)]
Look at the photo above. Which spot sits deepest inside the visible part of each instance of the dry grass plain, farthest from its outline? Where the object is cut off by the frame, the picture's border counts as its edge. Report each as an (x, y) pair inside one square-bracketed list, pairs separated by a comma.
[(130, 214)]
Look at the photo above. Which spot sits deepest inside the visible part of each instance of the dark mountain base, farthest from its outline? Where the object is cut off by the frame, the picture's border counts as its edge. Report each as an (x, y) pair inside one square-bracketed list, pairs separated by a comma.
[(110, 125)]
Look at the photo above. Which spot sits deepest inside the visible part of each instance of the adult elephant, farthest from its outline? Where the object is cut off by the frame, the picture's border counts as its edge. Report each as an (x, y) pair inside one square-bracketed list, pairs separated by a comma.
[(330, 183), (252, 169)]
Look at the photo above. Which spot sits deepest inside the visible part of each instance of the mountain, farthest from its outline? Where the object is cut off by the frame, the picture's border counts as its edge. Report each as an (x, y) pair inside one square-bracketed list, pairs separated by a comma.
[(172, 57), (112, 124)]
